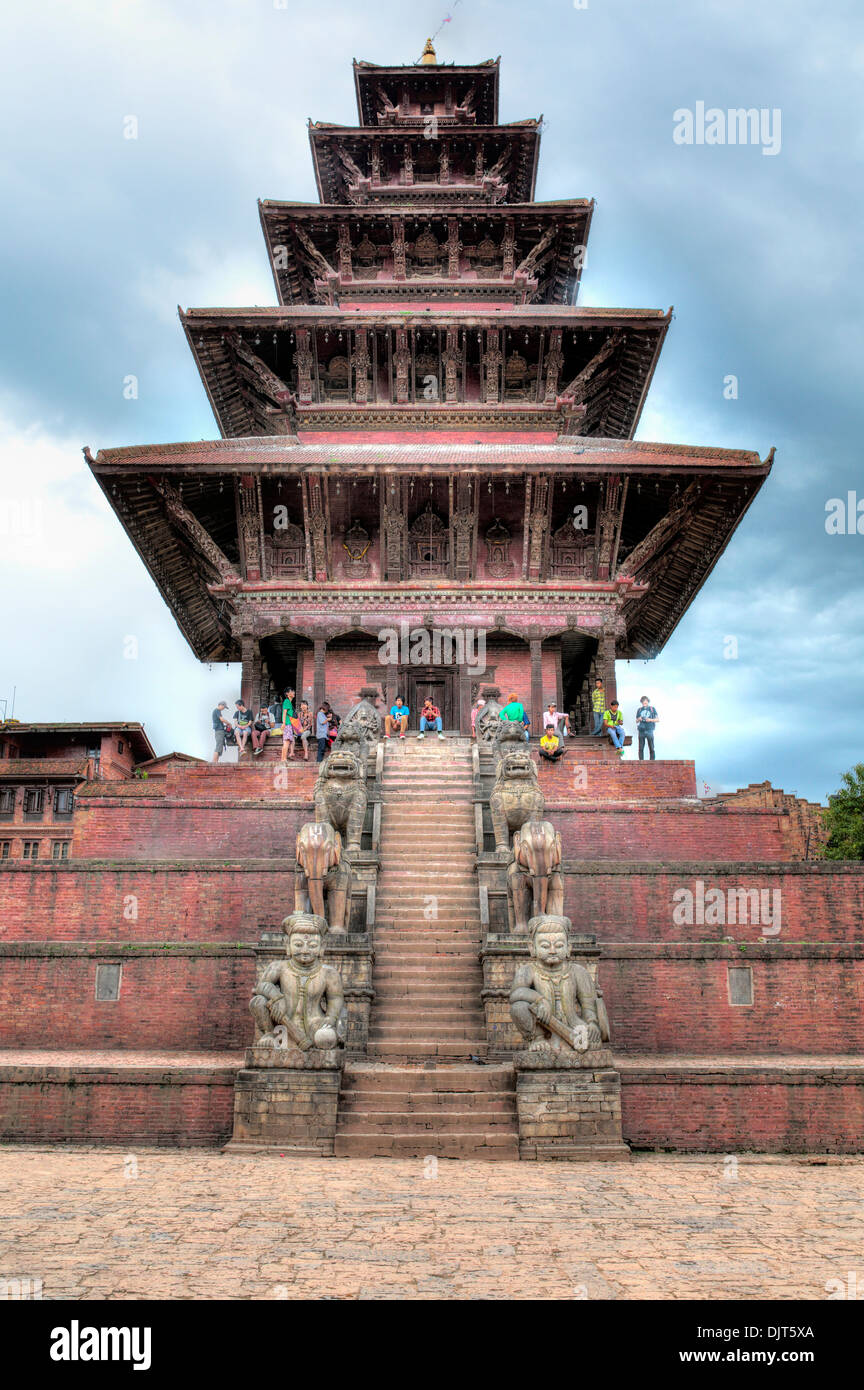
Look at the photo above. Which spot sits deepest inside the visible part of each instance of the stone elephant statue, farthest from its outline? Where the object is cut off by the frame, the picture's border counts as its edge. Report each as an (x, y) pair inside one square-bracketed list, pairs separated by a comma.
[(534, 883), (321, 873)]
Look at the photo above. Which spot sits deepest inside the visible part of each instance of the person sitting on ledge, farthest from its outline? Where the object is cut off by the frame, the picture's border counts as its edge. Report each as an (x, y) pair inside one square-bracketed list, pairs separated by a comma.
[(613, 724), (551, 747), (322, 730), (242, 725), (513, 711), (260, 729), (478, 705), (430, 718), (398, 715), (304, 729)]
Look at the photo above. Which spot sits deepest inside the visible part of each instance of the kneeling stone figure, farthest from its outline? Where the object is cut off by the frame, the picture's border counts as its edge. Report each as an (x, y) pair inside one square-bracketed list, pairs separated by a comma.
[(553, 1001), (299, 1001)]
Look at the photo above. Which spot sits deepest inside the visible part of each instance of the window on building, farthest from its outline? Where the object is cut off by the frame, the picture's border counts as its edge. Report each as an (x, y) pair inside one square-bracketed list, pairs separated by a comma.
[(108, 983), (740, 985), (31, 849), (7, 802), (60, 849), (120, 745), (5, 849), (64, 801), (34, 801)]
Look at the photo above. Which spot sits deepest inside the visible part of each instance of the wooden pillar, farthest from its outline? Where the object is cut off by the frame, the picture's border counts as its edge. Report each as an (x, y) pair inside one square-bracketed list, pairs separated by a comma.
[(606, 665), (390, 686), (463, 718), (318, 688), (536, 711), (250, 679)]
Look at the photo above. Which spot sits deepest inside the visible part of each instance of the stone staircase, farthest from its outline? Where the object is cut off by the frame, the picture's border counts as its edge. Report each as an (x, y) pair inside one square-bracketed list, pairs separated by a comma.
[(420, 1093)]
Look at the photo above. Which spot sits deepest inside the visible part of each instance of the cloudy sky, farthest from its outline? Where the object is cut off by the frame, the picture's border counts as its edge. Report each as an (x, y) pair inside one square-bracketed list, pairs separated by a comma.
[(102, 237)]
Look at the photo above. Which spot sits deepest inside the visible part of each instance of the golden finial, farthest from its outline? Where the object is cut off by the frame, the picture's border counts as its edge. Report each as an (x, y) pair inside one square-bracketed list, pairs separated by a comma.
[(429, 53)]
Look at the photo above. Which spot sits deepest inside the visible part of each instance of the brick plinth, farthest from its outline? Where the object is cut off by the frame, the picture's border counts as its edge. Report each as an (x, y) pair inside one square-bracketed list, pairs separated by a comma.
[(569, 1106), (287, 1101), (728, 1104), (127, 1098)]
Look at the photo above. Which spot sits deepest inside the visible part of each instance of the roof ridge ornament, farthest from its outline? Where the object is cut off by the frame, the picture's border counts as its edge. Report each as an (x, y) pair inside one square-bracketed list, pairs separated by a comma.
[(429, 55)]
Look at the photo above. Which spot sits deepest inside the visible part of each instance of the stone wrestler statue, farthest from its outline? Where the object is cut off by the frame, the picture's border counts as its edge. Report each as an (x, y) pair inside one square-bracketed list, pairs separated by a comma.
[(552, 995), (300, 994)]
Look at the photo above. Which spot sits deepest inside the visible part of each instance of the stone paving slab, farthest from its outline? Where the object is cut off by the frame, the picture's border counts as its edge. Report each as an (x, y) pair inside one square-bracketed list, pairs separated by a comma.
[(97, 1223)]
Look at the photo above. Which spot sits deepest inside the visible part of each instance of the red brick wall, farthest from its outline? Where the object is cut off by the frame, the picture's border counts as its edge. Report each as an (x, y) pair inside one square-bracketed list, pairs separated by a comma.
[(634, 902), (155, 1106), (595, 779), (199, 811), (660, 833), (166, 1003), (198, 902), (769, 1110), (806, 1004)]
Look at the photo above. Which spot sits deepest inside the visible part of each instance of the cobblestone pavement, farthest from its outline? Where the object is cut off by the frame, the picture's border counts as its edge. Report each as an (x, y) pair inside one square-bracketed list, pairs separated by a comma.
[(98, 1223)]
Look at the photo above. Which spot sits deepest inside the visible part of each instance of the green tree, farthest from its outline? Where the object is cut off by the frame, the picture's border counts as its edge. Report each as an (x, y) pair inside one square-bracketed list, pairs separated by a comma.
[(844, 818)]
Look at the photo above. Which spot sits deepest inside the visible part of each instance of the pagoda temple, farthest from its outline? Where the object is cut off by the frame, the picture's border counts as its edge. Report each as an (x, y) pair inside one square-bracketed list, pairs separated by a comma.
[(425, 437), (427, 432)]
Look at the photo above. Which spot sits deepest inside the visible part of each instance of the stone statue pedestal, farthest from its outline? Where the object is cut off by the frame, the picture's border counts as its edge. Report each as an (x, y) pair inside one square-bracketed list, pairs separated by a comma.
[(286, 1101), (568, 1105)]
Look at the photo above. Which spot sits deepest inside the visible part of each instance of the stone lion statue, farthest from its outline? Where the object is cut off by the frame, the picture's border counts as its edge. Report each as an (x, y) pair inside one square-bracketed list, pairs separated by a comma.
[(516, 796), (340, 796)]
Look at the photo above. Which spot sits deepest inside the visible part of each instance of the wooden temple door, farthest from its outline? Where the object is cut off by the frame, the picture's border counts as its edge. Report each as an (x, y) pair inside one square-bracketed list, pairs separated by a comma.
[(436, 685)]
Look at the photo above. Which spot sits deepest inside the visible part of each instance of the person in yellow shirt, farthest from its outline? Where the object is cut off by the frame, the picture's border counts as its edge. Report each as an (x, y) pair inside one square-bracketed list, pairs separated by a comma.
[(550, 745)]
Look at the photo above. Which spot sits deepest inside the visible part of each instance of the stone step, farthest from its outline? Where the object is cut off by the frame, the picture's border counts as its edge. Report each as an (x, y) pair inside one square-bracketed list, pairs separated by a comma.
[(441, 1079), (371, 1102), (414, 1122), (421, 1048), (437, 1011), (426, 1027), (495, 1148)]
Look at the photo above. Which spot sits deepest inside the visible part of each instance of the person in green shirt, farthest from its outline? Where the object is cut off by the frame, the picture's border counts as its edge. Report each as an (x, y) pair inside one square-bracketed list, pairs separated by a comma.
[(613, 724), (513, 710)]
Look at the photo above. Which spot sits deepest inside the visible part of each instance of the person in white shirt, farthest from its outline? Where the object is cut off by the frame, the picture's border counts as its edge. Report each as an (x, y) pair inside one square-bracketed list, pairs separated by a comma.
[(554, 717)]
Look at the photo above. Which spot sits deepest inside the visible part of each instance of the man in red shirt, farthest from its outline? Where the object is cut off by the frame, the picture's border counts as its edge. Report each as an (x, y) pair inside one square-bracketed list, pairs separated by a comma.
[(430, 718)]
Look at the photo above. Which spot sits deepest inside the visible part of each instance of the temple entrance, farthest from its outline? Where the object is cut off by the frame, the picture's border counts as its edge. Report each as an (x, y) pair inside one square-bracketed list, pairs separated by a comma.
[(578, 665), (431, 683)]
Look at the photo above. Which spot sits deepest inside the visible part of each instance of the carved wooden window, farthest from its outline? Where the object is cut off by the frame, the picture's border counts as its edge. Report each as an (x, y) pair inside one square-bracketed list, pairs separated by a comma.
[(366, 260), (60, 849), (426, 254), (337, 379), (5, 849), (31, 849), (7, 801), (64, 801), (485, 258), (34, 801), (572, 552), (428, 545), (286, 551), (497, 540)]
